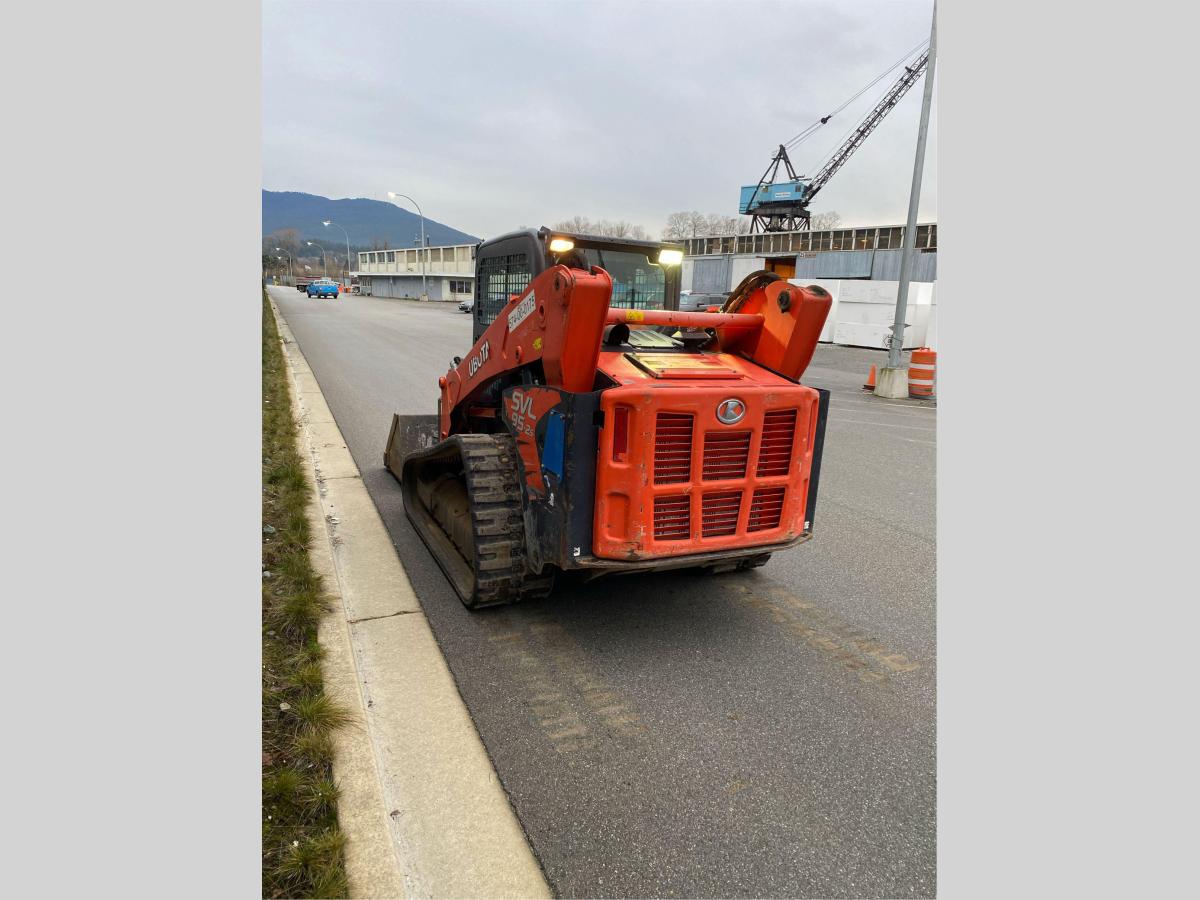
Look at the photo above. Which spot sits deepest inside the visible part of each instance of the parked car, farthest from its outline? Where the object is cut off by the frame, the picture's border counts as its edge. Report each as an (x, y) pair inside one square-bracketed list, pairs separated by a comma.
[(691, 301), (466, 305), (323, 287)]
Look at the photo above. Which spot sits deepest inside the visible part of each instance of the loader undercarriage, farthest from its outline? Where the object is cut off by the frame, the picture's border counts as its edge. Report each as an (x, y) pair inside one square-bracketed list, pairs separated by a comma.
[(463, 497)]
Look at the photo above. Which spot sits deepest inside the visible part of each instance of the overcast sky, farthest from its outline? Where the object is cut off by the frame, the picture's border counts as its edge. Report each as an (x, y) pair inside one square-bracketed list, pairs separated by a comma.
[(495, 115)]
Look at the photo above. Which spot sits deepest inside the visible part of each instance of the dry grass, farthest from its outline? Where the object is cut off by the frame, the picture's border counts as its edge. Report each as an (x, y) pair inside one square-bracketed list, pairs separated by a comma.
[(302, 844)]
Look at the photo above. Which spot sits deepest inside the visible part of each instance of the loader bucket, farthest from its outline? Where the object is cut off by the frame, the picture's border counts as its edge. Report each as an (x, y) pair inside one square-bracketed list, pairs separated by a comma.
[(409, 434)]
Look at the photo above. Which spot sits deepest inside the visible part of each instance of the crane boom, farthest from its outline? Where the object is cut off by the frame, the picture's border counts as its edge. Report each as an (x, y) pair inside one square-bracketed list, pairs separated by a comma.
[(783, 206), (869, 124)]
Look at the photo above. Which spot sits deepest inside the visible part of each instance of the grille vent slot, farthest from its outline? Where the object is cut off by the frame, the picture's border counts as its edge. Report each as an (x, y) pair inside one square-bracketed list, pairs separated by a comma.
[(725, 455), (766, 508), (775, 451), (672, 518), (720, 511), (672, 448)]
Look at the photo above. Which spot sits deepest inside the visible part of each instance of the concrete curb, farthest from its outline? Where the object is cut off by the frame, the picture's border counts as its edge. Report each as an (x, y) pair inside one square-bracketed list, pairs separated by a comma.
[(421, 806)]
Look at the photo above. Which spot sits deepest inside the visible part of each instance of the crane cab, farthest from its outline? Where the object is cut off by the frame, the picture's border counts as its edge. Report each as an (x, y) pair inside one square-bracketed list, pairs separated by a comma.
[(768, 197)]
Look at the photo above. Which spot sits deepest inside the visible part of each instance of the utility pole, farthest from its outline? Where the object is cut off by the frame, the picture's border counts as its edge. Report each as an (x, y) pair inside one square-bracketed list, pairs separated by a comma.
[(290, 270), (349, 273), (325, 261), (422, 252), (893, 380)]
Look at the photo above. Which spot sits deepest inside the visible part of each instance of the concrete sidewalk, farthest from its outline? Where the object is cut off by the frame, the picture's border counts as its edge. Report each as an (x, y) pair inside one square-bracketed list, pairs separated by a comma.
[(422, 807)]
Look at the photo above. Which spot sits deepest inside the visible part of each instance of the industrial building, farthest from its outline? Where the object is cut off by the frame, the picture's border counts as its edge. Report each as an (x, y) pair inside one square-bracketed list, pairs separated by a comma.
[(717, 264), (449, 272), (860, 267)]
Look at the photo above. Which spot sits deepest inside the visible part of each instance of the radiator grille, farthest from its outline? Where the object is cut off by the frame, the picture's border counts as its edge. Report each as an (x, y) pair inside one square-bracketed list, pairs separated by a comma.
[(672, 448), (720, 512), (766, 508), (672, 518), (725, 455), (775, 452)]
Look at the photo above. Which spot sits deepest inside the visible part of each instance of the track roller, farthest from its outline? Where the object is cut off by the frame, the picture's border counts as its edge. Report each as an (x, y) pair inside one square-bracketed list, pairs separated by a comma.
[(463, 497)]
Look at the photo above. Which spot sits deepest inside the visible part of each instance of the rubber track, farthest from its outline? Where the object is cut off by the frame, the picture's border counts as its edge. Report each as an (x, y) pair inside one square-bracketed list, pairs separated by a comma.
[(492, 471)]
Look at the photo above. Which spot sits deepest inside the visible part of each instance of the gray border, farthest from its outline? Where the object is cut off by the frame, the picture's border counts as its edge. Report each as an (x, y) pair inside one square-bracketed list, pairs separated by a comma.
[(132, 494), (132, 488), (1063, 650)]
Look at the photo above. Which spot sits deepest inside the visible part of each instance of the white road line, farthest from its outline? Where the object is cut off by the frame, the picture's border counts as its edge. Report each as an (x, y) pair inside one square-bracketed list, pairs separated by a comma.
[(879, 412), (844, 398), (880, 424), (896, 437)]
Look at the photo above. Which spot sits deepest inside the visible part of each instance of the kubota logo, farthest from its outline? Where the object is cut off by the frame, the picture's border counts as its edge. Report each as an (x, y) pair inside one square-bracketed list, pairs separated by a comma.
[(731, 411), (475, 363)]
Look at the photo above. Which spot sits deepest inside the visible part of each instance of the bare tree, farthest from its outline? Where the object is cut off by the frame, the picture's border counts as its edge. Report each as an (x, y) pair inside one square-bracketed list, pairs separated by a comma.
[(622, 229), (723, 225), (675, 229), (682, 225), (826, 221), (576, 225), (603, 228), (287, 238)]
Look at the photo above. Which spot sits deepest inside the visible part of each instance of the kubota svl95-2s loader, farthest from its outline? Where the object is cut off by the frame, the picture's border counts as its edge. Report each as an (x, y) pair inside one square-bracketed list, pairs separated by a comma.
[(595, 428)]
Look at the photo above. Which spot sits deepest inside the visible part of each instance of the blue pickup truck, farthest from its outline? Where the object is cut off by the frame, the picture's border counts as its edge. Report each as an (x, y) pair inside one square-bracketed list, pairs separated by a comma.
[(323, 287)]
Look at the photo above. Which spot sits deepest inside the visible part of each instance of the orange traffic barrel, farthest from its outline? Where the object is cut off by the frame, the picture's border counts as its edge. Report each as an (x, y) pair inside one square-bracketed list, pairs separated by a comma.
[(921, 372), (870, 385)]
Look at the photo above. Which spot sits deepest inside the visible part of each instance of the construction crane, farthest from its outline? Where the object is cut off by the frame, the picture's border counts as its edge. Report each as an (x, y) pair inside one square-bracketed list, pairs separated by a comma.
[(784, 205)]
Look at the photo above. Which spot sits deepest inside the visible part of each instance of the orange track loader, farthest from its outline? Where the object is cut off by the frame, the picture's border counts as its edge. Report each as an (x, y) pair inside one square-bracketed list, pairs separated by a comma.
[(594, 428)]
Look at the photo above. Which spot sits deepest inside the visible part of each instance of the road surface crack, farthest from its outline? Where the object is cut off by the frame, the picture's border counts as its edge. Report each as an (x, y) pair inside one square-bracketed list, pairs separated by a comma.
[(403, 612)]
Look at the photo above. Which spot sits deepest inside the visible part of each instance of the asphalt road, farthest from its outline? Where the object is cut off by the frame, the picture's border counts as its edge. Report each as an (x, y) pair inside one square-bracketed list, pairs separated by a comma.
[(760, 734)]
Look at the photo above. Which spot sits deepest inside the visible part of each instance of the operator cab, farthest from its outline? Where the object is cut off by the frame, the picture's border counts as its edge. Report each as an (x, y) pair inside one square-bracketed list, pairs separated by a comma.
[(645, 274)]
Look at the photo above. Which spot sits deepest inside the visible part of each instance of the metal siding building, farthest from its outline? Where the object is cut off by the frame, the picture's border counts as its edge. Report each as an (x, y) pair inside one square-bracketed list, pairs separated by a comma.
[(710, 276), (886, 266), (715, 264), (879, 265)]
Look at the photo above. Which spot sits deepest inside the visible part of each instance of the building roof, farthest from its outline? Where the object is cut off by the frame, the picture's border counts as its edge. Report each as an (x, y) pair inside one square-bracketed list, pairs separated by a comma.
[(430, 247)]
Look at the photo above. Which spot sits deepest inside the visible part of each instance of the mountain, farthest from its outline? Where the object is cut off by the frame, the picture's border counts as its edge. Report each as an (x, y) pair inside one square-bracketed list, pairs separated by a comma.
[(366, 221)]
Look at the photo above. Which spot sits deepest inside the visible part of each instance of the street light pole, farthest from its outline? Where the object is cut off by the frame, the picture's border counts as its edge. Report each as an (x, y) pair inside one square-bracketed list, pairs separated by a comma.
[(291, 271), (349, 274), (393, 195), (324, 261), (908, 254)]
